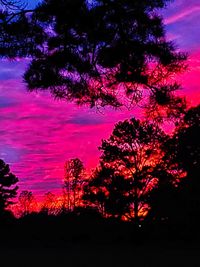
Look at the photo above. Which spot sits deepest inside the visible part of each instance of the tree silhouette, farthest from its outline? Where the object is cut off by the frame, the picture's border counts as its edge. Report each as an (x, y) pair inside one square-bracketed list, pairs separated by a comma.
[(166, 199), (26, 202), (8, 188), (98, 53), (176, 197), (187, 142), (130, 167), (73, 181), (49, 204), (108, 191), (187, 155)]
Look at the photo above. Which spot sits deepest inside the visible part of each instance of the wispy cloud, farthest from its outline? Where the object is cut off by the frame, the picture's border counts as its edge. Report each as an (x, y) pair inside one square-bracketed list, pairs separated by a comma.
[(182, 14)]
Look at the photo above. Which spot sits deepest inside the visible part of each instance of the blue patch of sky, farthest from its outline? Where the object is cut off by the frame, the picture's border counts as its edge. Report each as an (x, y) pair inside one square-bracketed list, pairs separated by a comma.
[(11, 70), (9, 154), (6, 102)]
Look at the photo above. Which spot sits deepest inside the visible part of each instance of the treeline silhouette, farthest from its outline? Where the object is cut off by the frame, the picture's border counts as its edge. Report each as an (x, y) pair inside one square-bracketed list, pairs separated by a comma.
[(145, 189)]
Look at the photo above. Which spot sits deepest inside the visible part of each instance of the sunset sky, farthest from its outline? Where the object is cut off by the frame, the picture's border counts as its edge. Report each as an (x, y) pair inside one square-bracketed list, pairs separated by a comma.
[(38, 134)]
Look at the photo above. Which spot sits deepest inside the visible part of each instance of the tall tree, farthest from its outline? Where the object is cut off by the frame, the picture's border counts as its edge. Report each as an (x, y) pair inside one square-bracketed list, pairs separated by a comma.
[(8, 188), (100, 52), (187, 155), (179, 201), (187, 142), (129, 169), (73, 181)]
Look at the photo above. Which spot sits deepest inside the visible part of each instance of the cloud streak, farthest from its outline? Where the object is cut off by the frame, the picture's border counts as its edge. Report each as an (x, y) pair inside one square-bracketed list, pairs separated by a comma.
[(182, 15)]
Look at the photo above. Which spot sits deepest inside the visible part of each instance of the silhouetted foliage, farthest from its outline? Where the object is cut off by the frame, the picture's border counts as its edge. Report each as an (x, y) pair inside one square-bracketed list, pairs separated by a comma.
[(167, 201), (98, 53), (26, 202), (73, 181), (49, 204), (178, 200), (108, 192), (187, 155), (187, 150), (131, 165), (8, 188)]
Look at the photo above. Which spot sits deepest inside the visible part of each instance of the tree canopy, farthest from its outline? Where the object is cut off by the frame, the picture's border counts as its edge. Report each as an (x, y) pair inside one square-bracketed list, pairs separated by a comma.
[(187, 141), (131, 165), (182, 158), (73, 181), (8, 188), (100, 53), (26, 202)]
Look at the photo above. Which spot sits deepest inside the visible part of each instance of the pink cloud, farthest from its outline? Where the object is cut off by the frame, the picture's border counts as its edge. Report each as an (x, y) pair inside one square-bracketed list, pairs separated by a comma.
[(191, 79)]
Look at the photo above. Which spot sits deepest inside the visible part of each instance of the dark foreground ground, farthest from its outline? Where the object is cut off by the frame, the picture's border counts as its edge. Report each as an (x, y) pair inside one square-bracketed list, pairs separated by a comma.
[(96, 255), (82, 241)]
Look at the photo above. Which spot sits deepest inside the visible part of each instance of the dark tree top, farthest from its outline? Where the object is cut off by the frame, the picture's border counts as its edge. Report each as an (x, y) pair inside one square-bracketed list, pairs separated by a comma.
[(8, 188), (103, 52)]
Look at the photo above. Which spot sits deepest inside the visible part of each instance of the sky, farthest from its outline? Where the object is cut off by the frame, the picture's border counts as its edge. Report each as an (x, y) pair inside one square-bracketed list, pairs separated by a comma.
[(38, 134)]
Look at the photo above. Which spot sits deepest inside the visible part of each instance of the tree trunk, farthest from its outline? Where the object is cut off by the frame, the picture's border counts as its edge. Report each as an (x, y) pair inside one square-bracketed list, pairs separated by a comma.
[(68, 196), (136, 207), (136, 202), (74, 198)]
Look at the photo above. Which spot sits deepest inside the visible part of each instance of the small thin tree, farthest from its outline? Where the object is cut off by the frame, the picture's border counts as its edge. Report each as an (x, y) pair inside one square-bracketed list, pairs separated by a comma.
[(26, 202), (73, 181)]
